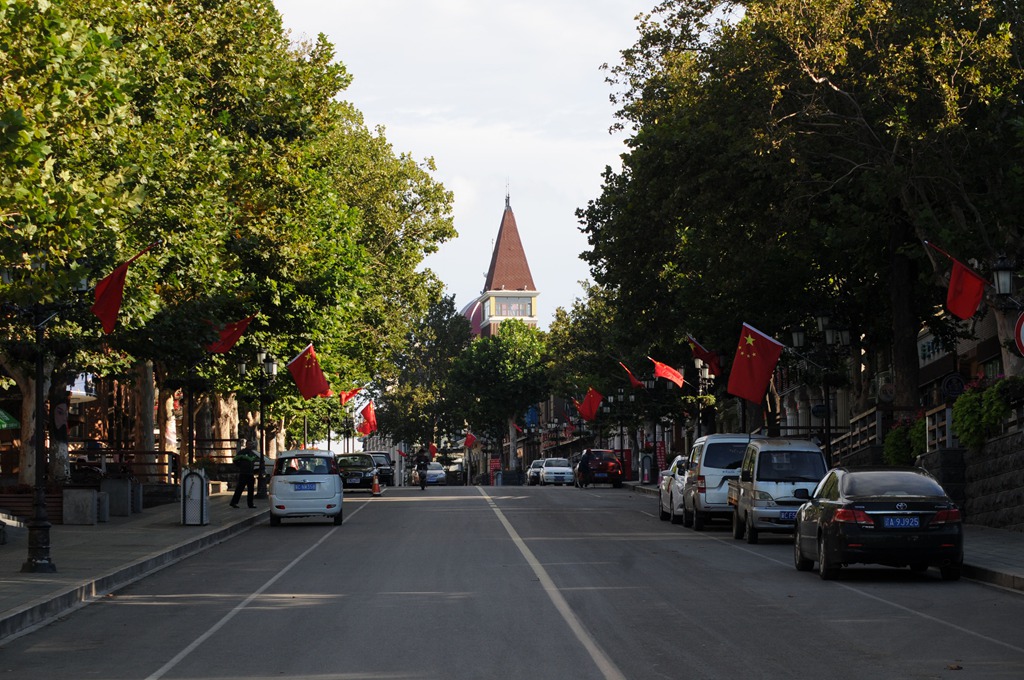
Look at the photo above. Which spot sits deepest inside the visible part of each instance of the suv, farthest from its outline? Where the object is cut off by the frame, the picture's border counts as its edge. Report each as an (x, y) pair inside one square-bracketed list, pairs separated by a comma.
[(305, 484), (599, 465), (714, 460), (385, 467)]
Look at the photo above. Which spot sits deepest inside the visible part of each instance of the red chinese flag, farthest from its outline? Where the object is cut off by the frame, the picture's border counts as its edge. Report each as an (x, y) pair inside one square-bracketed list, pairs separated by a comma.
[(308, 375), (667, 372), (709, 358), (591, 402), (470, 440), (109, 293), (433, 449), (965, 291), (369, 423), (229, 335), (633, 382), (752, 368), (346, 396)]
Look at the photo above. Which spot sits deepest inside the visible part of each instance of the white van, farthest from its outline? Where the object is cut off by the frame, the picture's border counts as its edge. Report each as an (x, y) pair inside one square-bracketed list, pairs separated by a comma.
[(714, 460)]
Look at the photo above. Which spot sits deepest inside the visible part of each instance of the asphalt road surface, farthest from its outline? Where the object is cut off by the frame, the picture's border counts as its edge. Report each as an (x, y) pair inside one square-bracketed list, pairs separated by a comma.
[(530, 582)]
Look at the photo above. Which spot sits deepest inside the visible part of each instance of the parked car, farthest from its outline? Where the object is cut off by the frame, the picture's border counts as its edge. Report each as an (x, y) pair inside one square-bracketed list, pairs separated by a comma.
[(533, 472), (670, 490), (305, 484), (599, 466), (357, 470), (897, 517), (714, 459), (763, 497), (556, 471), (385, 467)]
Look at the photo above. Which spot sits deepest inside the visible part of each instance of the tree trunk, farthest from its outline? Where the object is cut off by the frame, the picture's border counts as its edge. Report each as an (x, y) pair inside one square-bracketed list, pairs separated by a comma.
[(24, 378), (225, 419), (60, 467)]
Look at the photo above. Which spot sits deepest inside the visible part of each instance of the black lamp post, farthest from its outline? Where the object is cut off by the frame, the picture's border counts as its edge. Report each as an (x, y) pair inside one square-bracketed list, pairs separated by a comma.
[(39, 560), (835, 339), (268, 365)]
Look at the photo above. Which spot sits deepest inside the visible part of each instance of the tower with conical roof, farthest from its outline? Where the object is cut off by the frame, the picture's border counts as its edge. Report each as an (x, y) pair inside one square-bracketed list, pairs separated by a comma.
[(508, 292)]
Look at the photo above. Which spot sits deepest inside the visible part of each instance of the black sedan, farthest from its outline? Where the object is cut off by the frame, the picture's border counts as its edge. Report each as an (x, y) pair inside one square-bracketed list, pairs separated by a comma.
[(897, 517), (357, 470)]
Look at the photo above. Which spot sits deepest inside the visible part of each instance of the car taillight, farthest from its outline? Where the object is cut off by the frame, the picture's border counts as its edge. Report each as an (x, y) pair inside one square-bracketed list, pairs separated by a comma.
[(948, 516), (702, 484), (853, 516)]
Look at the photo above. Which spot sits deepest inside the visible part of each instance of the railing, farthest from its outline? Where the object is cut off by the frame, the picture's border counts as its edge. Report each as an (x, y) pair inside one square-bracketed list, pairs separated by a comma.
[(939, 433)]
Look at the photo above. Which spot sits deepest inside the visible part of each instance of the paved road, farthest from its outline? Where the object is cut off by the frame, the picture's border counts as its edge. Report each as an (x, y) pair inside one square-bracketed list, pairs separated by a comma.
[(541, 582)]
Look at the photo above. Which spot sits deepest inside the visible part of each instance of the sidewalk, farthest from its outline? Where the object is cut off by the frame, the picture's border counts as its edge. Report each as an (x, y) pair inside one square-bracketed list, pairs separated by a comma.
[(94, 560), (990, 555)]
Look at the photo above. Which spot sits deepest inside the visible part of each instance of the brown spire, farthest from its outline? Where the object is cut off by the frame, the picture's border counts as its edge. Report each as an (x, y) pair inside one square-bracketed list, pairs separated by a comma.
[(509, 269)]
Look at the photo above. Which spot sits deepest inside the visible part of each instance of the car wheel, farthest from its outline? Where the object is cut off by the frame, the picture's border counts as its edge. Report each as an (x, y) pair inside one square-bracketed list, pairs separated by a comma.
[(826, 570), (698, 520), (752, 533), (275, 521), (951, 572), (675, 519), (662, 512), (338, 519), (799, 561), (687, 516), (737, 525)]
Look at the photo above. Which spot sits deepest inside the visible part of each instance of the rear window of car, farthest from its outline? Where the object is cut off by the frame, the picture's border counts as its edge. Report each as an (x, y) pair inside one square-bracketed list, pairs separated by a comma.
[(890, 483), (310, 465), (724, 455), (603, 456), (381, 459)]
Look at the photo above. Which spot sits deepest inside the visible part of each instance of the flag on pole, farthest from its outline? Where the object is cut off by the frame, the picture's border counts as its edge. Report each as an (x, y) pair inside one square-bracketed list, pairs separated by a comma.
[(708, 357), (369, 423), (591, 402), (346, 396), (470, 440), (229, 335), (110, 292), (633, 382), (433, 449), (308, 375), (966, 287), (752, 368), (667, 372)]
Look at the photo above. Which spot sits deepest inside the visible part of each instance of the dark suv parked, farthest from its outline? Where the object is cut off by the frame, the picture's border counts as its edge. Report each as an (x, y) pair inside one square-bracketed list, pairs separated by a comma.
[(385, 467)]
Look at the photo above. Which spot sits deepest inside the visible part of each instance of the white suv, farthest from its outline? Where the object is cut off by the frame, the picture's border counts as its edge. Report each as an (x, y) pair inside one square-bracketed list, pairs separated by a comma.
[(714, 460), (305, 484)]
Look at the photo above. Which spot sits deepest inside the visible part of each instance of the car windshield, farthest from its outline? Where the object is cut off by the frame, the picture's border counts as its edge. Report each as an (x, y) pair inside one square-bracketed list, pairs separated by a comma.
[(556, 462), (724, 455), (537, 464), (314, 465), (890, 483), (435, 466), (381, 459), (355, 461), (790, 466)]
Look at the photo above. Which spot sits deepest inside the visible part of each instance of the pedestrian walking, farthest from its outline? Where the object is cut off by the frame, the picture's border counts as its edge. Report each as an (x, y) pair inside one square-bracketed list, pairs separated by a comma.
[(245, 460)]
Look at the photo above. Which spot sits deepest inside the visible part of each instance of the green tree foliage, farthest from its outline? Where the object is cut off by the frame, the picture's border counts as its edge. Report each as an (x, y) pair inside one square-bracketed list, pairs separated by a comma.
[(793, 157)]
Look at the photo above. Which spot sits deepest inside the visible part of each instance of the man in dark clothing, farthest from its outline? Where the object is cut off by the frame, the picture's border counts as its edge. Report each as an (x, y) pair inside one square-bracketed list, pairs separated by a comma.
[(245, 460), (422, 463)]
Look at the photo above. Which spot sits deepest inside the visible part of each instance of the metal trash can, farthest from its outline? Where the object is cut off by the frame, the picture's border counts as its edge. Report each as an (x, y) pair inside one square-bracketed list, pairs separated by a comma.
[(195, 495)]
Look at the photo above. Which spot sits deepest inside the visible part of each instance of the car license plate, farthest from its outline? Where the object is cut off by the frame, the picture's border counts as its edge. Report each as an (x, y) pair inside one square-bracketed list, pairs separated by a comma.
[(788, 515), (601, 475), (355, 480), (305, 486), (901, 522)]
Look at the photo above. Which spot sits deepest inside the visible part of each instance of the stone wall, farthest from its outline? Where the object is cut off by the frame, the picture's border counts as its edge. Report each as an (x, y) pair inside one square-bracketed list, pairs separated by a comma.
[(994, 483)]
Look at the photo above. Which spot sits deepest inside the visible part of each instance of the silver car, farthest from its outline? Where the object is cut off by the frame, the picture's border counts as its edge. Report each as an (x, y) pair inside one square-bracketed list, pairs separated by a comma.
[(670, 490), (714, 459), (305, 484)]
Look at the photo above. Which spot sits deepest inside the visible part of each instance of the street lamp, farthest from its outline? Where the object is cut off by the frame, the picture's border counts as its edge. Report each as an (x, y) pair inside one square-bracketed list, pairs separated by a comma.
[(704, 382), (267, 375), (835, 339), (616, 408)]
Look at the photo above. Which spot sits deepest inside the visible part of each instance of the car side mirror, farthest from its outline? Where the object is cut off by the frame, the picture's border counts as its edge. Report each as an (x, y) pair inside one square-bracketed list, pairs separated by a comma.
[(802, 494)]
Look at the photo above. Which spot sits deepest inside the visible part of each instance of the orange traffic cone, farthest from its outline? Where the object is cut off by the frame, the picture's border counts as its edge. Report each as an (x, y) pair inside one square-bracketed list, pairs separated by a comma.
[(376, 486)]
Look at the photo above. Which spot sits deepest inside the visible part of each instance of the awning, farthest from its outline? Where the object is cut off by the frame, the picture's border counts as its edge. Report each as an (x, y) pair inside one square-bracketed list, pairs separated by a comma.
[(7, 421)]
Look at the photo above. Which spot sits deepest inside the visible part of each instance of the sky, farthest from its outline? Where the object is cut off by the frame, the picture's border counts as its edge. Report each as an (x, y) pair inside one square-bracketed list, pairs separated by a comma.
[(506, 97)]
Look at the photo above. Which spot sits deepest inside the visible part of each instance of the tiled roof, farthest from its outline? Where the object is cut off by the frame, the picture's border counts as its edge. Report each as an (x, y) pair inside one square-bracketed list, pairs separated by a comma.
[(509, 269)]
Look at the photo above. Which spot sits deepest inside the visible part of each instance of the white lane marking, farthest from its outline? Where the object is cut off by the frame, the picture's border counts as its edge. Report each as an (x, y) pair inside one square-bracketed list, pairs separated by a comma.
[(183, 654), (604, 664), (868, 595)]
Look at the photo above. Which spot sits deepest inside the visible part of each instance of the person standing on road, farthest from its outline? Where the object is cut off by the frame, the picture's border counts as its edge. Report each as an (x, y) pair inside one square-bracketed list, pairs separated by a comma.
[(583, 470), (244, 461), (422, 463)]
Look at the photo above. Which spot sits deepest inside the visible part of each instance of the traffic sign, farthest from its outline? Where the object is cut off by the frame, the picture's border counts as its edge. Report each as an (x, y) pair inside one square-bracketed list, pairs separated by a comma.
[(1017, 330)]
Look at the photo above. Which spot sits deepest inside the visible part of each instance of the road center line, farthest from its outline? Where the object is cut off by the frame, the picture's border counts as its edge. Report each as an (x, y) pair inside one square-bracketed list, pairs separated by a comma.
[(183, 654), (604, 664)]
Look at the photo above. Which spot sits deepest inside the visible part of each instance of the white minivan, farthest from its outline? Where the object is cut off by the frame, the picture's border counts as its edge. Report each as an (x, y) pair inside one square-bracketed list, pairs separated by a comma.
[(714, 460)]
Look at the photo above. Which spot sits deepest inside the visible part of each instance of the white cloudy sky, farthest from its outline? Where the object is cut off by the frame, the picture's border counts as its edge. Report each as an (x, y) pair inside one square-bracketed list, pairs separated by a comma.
[(501, 95)]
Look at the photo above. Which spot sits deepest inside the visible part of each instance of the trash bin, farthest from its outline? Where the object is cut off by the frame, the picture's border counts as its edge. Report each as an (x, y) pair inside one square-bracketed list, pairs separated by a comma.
[(195, 496)]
